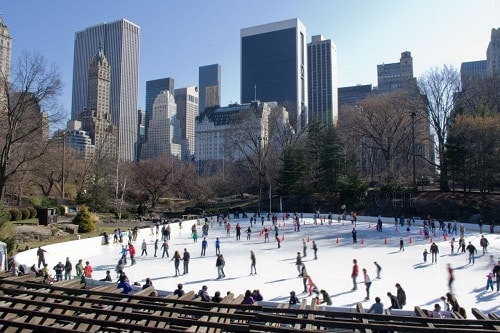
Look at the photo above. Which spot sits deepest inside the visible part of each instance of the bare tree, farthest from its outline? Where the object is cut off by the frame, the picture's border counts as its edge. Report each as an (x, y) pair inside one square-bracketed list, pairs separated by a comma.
[(440, 86), (27, 105)]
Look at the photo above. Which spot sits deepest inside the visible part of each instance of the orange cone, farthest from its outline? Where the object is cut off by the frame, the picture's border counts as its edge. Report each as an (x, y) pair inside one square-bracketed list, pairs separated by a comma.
[(362, 240), (337, 240), (385, 241), (444, 237), (283, 237), (410, 241), (308, 239)]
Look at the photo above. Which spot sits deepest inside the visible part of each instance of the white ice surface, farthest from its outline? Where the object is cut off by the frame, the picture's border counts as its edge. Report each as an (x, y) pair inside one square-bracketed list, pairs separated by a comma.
[(277, 273)]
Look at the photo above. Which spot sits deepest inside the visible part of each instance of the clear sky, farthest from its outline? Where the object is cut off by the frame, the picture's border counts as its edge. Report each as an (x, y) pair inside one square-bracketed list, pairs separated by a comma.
[(179, 36)]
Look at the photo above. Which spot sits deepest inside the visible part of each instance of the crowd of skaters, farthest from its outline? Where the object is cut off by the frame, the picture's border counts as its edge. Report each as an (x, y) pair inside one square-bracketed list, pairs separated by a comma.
[(63, 271)]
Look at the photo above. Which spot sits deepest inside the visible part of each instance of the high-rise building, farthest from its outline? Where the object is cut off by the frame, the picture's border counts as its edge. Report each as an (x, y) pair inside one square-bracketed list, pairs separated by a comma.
[(153, 88), (397, 75), (141, 130), (493, 53), (274, 67), (96, 118), (5, 51), (120, 42), (471, 70), (322, 80), (164, 136), (209, 84), (187, 110)]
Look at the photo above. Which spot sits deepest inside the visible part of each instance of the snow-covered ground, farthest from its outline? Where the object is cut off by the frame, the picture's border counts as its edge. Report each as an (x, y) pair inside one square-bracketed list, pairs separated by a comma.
[(277, 274)]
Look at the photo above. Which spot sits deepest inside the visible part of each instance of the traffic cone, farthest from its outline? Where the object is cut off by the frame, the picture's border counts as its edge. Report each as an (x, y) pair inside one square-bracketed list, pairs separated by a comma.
[(308, 239), (369, 226), (304, 222), (337, 240), (444, 237), (283, 237), (385, 240), (410, 241), (362, 241), (431, 240)]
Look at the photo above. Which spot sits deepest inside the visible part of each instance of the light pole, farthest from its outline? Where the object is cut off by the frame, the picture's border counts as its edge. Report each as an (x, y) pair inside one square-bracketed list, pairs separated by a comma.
[(260, 171), (413, 115), (63, 177)]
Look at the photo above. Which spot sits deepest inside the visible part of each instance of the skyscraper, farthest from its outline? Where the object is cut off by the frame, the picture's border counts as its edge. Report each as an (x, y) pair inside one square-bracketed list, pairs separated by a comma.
[(153, 88), (120, 42), (322, 80), (5, 50), (396, 75), (187, 110), (493, 53), (471, 70), (209, 85), (274, 67)]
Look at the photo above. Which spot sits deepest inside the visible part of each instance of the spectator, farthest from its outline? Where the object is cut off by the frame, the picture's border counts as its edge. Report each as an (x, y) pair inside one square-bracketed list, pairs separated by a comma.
[(179, 291), (248, 299), (394, 302), (377, 307), (293, 298)]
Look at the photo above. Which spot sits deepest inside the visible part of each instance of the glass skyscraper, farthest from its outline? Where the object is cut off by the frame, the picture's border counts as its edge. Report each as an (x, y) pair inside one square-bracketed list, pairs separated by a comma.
[(209, 84), (274, 67), (322, 80), (120, 41), (153, 88)]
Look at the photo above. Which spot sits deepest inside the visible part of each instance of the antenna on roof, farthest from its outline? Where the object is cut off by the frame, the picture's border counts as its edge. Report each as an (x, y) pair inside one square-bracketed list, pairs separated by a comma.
[(255, 92)]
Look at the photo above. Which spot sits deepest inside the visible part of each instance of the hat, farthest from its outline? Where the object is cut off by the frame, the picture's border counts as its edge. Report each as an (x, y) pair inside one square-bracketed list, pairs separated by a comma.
[(292, 292)]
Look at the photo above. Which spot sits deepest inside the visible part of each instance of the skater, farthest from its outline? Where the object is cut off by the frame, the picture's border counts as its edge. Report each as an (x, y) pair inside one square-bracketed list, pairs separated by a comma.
[(315, 249), (472, 251), (219, 264), (451, 277), (87, 270), (131, 253), (59, 269), (217, 246), (496, 272), (41, 256), (452, 245), (185, 259), (177, 258), (238, 231), (354, 235), (68, 267), (434, 253), (249, 233), (401, 244), (144, 248), (489, 281), (79, 268), (252, 265), (278, 241), (425, 255), (401, 296), (204, 245), (305, 276), (298, 263), (156, 247), (164, 246), (484, 244), (354, 274), (379, 269), (368, 283), (304, 248)]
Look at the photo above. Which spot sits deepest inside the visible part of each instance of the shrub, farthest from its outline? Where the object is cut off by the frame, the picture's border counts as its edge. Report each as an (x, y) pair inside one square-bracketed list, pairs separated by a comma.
[(61, 210), (25, 213), (33, 212), (42, 202), (84, 220), (15, 214)]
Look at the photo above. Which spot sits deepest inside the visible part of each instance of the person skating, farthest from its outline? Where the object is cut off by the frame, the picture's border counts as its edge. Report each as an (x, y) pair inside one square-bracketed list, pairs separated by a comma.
[(315, 249), (156, 246), (185, 259), (144, 248), (305, 276), (484, 244), (41, 256), (401, 244), (298, 263), (253, 269), (164, 246), (87, 270), (204, 244), (496, 272), (304, 248), (451, 277), (68, 267), (354, 274), (177, 261), (489, 281), (217, 246), (79, 268), (401, 296), (219, 266), (424, 254), (354, 235), (472, 251), (59, 269), (131, 252), (379, 269), (368, 283), (434, 253)]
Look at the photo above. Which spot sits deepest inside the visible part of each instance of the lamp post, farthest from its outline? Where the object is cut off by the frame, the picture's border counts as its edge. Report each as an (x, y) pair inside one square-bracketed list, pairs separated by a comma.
[(63, 177), (260, 171), (413, 115)]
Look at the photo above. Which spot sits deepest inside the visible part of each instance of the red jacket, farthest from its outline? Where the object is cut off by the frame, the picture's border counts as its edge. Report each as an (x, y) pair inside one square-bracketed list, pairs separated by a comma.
[(354, 270), (131, 250)]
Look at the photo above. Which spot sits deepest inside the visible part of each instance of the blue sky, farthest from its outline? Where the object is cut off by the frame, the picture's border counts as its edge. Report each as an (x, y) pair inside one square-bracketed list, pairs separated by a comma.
[(179, 36)]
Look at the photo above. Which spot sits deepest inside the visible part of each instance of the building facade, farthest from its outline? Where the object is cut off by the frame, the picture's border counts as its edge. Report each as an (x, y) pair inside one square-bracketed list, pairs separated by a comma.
[(153, 88), (274, 67), (96, 118), (5, 50), (471, 70), (120, 40), (187, 111), (493, 53), (397, 75), (209, 84), (164, 136), (322, 81)]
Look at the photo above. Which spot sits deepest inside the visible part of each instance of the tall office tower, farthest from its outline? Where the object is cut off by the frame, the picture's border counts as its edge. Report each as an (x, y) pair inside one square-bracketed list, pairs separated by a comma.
[(141, 131), (96, 118), (187, 110), (164, 136), (153, 88), (322, 80), (397, 75), (5, 51), (493, 53), (471, 70), (274, 67), (120, 42), (209, 85)]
